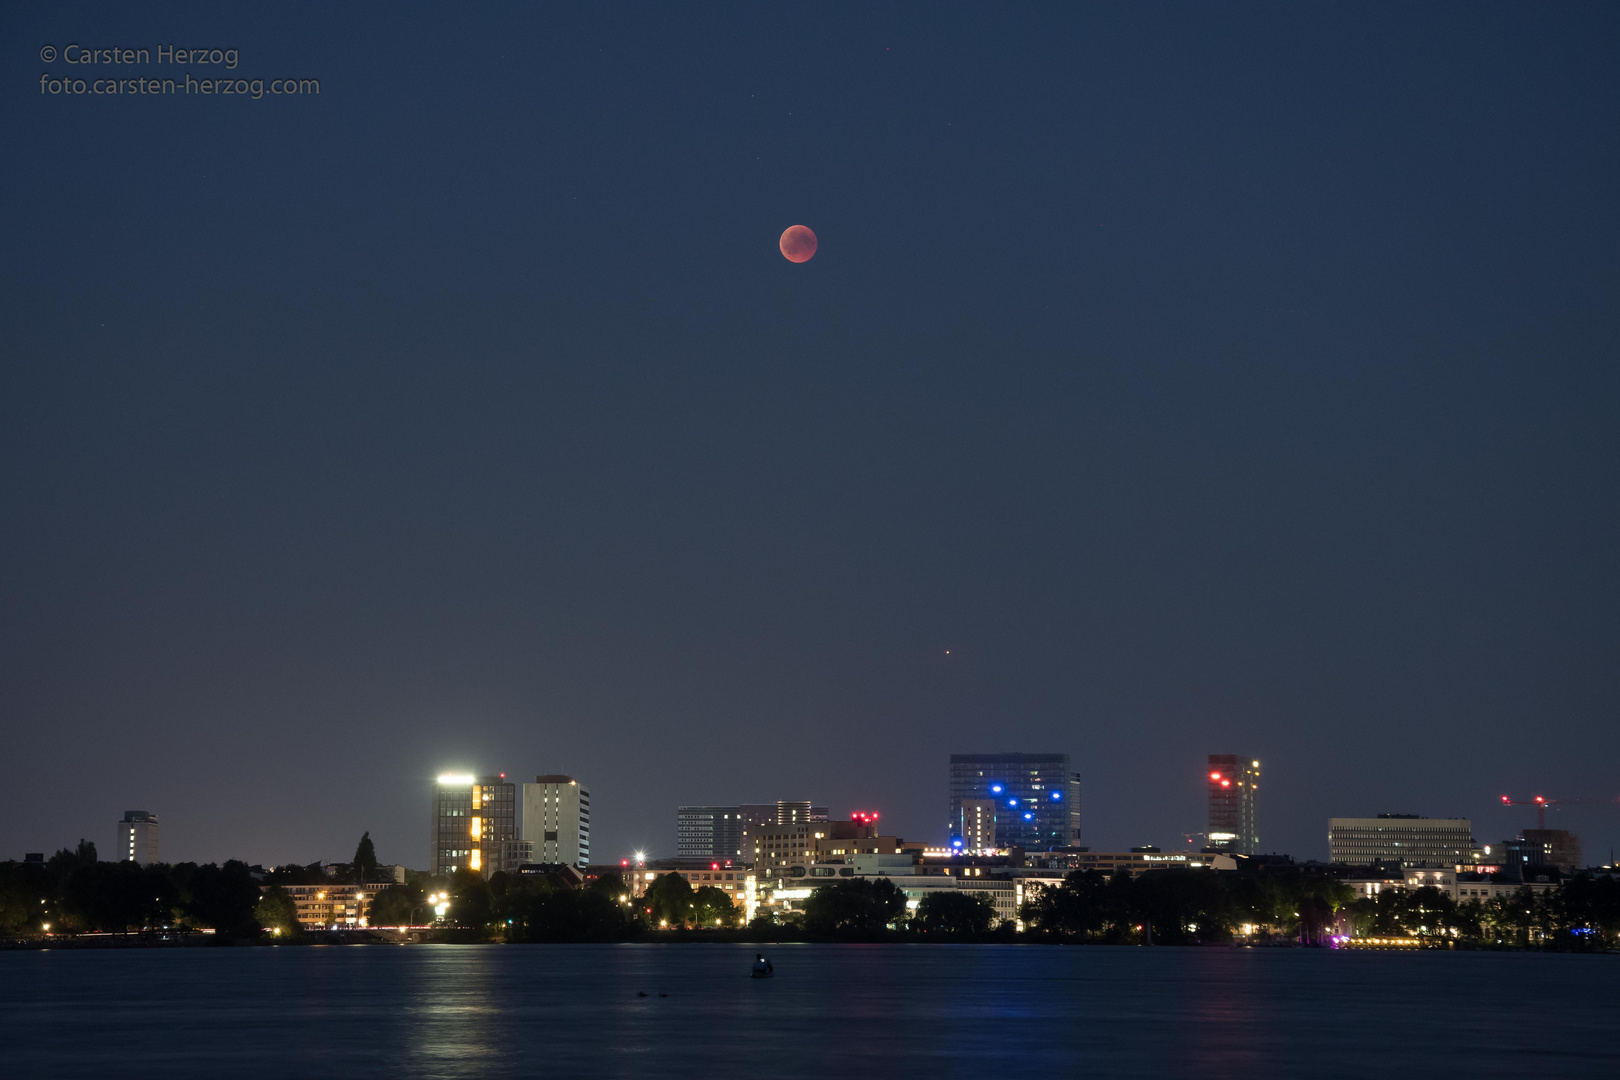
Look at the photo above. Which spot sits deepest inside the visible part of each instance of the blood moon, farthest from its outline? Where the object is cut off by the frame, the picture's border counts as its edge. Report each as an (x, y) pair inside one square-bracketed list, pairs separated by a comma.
[(798, 243)]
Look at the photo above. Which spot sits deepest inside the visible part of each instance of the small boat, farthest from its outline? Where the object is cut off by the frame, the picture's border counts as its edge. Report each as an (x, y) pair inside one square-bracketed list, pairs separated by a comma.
[(763, 968)]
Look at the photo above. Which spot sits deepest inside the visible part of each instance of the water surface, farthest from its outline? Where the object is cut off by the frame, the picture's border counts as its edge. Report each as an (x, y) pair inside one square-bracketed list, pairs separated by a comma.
[(833, 1010)]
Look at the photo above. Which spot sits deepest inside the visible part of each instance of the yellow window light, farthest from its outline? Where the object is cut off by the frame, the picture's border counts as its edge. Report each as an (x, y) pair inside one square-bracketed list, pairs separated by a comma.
[(475, 862), (477, 828)]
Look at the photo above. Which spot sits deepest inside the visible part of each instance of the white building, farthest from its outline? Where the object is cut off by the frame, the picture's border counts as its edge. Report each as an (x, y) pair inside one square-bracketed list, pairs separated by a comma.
[(555, 817), (138, 837), (1400, 838)]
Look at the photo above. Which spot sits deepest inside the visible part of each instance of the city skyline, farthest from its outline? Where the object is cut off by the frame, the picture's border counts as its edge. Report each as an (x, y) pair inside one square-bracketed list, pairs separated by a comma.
[(1489, 835)]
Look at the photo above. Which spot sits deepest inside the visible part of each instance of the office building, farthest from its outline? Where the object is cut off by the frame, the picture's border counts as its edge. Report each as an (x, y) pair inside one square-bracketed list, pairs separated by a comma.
[(516, 854), (790, 811), (1543, 847), (1037, 797), (1234, 785), (977, 827), (556, 820), (778, 848), (709, 832), (1406, 839), (727, 833), (138, 838), (474, 818), (793, 849)]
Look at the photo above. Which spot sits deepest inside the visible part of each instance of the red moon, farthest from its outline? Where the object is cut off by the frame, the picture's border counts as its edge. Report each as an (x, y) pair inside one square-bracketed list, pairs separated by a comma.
[(798, 243)]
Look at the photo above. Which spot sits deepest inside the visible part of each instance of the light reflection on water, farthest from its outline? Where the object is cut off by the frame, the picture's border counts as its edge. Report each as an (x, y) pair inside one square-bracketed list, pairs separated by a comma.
[(469, 1011)]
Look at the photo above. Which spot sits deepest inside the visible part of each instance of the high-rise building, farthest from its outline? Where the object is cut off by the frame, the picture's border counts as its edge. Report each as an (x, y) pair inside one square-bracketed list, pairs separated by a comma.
[(474, 817), (1037, 797), (557, 820), (1404, 838), (977, 827), (708, 832), (728, 832), (1543, 847), (1234, 785), (138, 837)]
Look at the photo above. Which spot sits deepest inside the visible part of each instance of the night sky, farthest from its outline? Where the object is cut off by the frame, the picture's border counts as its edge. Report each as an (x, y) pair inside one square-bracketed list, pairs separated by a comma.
[(1170, 380)]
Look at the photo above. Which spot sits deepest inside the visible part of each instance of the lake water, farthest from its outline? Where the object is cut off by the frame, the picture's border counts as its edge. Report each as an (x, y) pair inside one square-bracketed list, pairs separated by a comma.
[(977, 1011)]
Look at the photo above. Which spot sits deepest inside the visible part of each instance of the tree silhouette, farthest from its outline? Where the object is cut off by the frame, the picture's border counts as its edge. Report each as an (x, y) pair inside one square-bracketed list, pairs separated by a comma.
[(365, 857)]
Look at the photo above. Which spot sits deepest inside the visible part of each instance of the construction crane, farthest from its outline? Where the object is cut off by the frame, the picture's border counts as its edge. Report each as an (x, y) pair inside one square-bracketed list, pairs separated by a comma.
[(1541, 802)]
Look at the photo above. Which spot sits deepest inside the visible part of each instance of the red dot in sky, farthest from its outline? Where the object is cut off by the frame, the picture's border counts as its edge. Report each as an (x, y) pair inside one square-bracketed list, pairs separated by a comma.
[(798, 243)]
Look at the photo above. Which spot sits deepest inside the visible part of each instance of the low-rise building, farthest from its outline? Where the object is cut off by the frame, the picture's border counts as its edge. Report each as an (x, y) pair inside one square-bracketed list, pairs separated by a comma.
[(1368, 881), (1478, 887), (516, 854), (1136, 862), (737, 882), (788, 850), (329, 906), (1004, 892)]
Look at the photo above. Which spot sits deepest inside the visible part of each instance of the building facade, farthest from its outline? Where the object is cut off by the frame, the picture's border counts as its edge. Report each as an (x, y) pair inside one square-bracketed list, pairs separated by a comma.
[(1234, 785), (138, 837), (1037, 798), (1544, 847), (825, 848), (1136, 862), (474, 818), (1406, 839), (728, 833), (977, 827), (556, 820), (331, 907), (708, 832)]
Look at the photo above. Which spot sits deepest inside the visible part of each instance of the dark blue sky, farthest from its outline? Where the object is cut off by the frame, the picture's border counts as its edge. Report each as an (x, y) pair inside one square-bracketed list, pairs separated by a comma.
[(1205, 378)]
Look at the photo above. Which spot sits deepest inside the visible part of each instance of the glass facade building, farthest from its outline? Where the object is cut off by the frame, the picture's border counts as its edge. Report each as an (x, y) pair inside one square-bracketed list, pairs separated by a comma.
[(1234, 787), (1037, 798), (473, 819)]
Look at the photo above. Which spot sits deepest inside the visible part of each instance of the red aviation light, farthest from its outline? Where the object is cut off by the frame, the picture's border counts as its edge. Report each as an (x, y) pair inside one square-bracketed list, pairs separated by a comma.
[(1214, 776), (1226, 783), (714, 866), (1540, 799)]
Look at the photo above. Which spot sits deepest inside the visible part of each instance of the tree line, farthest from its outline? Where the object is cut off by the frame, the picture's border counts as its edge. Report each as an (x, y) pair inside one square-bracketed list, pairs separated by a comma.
[(1185, 906), (75, 892)]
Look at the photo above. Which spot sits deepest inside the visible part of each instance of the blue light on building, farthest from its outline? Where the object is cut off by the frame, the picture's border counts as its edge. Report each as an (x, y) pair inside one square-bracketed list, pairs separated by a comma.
[(1039, 794)]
